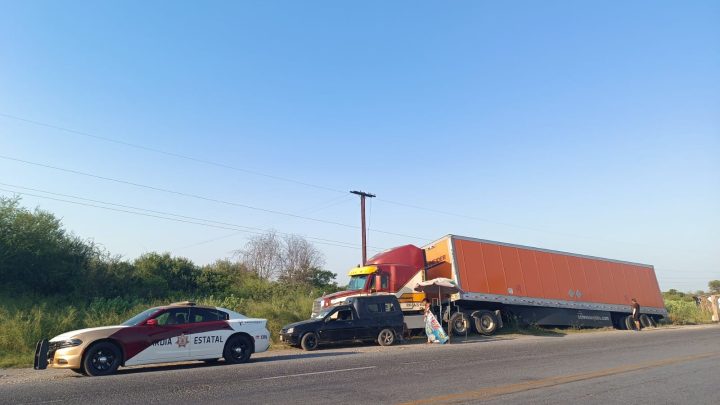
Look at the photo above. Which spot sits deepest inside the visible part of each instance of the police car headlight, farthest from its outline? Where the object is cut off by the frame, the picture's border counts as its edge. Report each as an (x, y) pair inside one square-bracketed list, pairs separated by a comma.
[(290, 330), (70, 343)]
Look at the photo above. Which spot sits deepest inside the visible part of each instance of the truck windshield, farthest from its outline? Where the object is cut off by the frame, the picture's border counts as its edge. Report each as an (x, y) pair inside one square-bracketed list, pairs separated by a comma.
[(357, 282)]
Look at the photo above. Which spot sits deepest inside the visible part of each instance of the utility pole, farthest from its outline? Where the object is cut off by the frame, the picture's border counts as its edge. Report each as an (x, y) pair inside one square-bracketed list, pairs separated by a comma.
[(362, 195)]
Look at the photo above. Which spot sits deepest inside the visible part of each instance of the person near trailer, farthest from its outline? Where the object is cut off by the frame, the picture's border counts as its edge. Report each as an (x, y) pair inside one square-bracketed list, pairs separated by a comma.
[(635, 313), (433, 329)]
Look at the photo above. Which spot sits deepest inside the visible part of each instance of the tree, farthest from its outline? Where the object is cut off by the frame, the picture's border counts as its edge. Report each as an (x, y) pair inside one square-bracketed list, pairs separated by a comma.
[(263, 255), (290, 259), (323, 279), (714, 286), (36, 253), (160, 274), (299, 258)]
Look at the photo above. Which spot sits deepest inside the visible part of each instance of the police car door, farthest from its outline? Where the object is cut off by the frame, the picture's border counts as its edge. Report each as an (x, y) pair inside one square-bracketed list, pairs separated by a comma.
[(209, 331), (170, 337)]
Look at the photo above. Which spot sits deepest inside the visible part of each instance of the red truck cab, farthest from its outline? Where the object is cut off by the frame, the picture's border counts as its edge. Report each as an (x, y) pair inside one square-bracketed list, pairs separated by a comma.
[(394, 271)]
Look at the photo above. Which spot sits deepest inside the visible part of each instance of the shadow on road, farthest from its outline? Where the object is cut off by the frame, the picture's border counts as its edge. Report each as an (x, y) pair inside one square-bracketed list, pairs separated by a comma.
[(300, 356), (221, 363), (169, 367)]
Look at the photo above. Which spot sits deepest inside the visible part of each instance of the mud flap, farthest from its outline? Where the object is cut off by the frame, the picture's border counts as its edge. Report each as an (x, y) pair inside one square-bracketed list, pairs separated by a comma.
[(41, 354)]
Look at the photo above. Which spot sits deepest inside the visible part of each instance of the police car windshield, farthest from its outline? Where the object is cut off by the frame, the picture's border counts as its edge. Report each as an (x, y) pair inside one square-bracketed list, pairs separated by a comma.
[(140, 317)]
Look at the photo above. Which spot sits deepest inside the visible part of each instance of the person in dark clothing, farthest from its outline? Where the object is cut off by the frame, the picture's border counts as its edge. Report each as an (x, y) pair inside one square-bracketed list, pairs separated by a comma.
[(636, 313)]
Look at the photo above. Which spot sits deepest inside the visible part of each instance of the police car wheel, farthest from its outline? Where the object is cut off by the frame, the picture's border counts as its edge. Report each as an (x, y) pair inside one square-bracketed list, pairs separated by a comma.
[(309, 341), (386, 337), (102, 358), (237, 350)]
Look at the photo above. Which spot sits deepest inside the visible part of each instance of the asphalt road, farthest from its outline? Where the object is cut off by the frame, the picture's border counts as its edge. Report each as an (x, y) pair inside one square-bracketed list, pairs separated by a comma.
[(654, 366)]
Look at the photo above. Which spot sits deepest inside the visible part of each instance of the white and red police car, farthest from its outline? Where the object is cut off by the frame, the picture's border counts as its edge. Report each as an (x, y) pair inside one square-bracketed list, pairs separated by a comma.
[(176, 332)]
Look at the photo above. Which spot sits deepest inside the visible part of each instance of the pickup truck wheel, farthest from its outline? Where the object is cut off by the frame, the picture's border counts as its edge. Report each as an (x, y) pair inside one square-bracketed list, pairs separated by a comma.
[(101, 358), (486, 323), (386, 337), (309, 341), (237, 350), (645, 321), (459, 323)]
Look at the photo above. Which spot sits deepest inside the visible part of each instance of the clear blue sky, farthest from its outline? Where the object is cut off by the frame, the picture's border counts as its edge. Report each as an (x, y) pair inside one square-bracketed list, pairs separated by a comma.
[(590, 127)]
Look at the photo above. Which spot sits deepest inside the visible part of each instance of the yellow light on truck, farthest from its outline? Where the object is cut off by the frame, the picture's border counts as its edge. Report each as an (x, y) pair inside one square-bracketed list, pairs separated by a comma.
[(361, 271)]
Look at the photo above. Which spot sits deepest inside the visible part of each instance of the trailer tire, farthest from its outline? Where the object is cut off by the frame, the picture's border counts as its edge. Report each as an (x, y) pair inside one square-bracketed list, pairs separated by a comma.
[(629, 323), (485, 322), (459, 323), (646, 321)]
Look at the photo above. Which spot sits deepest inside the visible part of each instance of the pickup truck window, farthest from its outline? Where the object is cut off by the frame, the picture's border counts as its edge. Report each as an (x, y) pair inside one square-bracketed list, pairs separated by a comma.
[(389, 306), (342, 315), (374, 308)]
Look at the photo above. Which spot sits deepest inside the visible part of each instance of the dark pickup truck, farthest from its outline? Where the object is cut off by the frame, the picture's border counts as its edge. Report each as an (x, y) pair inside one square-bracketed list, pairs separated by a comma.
[(375, 318)]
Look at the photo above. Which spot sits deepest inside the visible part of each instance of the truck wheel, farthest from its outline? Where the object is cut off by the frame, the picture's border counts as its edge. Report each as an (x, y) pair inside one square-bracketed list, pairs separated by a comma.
[(459, 323), (102, 358), (309, 341), (646, 321), (386, 337), (237, 349), (629, 323), (486, 323)]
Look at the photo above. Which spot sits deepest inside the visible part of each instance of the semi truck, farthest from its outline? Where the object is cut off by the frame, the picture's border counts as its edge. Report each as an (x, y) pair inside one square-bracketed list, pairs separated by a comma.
[(507, 281)]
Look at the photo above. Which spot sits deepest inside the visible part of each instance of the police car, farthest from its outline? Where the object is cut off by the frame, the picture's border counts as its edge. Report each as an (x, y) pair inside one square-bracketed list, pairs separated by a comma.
[(176, 332)]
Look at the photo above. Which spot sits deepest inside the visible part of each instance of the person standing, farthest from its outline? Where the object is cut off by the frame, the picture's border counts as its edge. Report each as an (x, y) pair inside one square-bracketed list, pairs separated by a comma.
[(433, 330), (636, 313)]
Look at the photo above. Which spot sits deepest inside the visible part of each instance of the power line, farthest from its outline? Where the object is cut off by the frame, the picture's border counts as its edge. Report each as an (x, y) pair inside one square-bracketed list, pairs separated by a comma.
[(196, 196), (168, 153), (289, 180), (207, 241), (167, 215), (307, 184), (660, 273)]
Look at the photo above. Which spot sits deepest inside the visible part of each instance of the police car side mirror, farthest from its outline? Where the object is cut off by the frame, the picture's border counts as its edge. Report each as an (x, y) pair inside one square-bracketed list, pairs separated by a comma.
[(151, 322)]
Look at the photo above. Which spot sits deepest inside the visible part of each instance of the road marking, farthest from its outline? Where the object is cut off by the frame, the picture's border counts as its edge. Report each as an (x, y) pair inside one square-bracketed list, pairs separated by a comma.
[(487, 393), (318, 372)]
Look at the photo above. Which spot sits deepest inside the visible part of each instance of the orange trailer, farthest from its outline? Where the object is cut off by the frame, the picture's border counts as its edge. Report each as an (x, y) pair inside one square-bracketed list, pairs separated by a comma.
[(502, 280), (542, 286)]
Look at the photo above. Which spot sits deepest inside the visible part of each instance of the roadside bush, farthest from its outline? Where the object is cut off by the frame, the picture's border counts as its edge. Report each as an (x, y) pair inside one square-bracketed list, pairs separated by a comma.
[(686, 313)]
